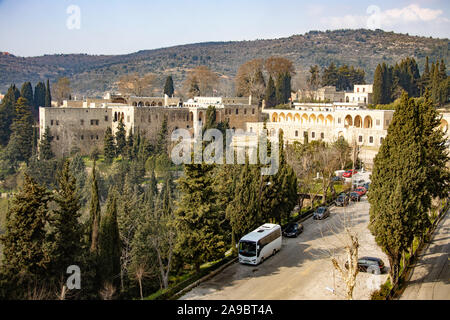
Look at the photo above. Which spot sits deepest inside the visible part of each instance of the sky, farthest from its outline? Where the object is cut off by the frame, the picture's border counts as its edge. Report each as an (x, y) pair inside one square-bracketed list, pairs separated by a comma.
[(37, 27)]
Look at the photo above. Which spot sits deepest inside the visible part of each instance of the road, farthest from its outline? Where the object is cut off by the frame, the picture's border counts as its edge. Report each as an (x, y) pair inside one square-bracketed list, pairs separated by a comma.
[(302, 269), (431, 276)]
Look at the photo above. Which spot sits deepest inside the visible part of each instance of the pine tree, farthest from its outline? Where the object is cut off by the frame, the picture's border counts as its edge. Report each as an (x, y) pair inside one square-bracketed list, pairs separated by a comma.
[(109, 243), (25, 250), (20, 145), (198, 218), (45, 146), (270, 96), (48, 96), (168, 86), (109, 148), (121, 139), (330, 75), (67, 233), (95, 214)]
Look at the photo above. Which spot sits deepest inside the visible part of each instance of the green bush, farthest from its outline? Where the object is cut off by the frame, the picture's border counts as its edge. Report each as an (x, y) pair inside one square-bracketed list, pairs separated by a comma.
[(382, 293)]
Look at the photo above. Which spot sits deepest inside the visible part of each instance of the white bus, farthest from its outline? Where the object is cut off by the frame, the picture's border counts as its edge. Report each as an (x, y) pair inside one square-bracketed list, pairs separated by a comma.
[(259, 244)]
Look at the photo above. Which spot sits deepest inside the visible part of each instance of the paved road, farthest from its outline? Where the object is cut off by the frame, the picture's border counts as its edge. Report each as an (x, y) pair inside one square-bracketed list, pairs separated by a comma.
[(302, 269), (431, 276)]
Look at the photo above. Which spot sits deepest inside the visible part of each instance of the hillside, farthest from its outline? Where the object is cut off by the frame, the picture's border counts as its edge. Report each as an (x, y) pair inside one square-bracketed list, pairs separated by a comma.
[(93, 74)]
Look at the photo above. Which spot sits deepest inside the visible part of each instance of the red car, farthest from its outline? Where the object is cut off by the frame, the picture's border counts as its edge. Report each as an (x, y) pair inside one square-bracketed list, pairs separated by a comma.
[(361, 191), (349, 173)]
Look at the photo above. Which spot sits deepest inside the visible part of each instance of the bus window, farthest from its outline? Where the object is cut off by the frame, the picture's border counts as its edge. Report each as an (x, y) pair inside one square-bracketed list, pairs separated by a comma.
[(247, 248)]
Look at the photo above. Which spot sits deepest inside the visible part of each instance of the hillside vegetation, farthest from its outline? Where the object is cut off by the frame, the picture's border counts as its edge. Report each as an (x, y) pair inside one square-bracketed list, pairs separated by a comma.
[(93, 74)]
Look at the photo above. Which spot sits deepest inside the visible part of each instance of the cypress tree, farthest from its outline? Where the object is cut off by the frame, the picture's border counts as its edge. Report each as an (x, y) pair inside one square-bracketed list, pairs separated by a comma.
[(25, 250), (121, 140), (109, 148), (45, 146), (68, 234), (20, 145), (39, 98), (270, 96), (48, 96), (109, 243), (280, 89), (95, 214), (397, 190), (27, 92), (7, 113), (168, 86), (161, 143), (198, 218)]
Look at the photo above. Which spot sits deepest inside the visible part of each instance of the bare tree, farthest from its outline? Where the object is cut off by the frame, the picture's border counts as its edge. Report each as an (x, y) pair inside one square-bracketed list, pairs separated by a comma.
[(141, 272), (134, 84), (338, 237), (61, 90), (108, 291), (249, 79), (327, 162), (277, 65), (204, 79)]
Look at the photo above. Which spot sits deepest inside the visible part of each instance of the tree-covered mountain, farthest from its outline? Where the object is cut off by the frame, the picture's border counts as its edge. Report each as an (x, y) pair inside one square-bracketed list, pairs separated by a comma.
[(94, 74)]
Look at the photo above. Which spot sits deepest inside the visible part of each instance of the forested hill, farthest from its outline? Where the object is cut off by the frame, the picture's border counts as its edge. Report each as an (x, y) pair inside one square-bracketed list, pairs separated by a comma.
[(93, 74)]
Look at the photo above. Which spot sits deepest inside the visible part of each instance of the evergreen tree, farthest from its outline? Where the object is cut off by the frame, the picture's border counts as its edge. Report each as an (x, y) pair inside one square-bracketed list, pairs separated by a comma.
[(121, 139), (198, 218), (48, 96), (109, 243), (109, 148), (39, 98), (95, 214), (397, 195), (161, 143), (314, 77), (168, 86), (25, 250), (194, 89), (27, 92), (67, 233), (20, 145), (45, 146), (330, 75), (280, 89), (270, 96), (7, 113)]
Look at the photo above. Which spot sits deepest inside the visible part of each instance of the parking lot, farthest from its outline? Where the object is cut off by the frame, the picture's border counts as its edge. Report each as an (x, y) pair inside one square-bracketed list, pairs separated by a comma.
[(302, 269)]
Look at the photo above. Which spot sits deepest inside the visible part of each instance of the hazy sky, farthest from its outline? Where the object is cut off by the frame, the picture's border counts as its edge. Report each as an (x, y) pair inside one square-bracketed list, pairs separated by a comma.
[(32, 27)]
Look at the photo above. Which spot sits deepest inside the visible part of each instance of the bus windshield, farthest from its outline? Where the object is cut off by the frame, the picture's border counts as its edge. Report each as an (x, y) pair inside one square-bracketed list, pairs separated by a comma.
[(247, 248)]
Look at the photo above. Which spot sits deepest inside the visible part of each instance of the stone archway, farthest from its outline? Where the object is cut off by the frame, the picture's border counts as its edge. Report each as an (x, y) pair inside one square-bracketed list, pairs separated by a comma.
[(358, 122), (329, 120), (368, 122), (348, 121), (274, 117)]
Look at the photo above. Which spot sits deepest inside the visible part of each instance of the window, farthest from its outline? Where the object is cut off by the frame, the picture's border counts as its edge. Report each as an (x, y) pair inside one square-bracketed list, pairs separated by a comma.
[(237, 111), (251, 129), (339, 120), (82, 137), (51, 122), (57, 122), (364, 89), (381, 140), (57, 138), (370, 139), (82, 122), (360, 139), (296, 133), (94, 122), (253, 111), (245, 111), (92, 137), (378, 122), (313, 135), (322, 135), (96, 137), (106, 118)]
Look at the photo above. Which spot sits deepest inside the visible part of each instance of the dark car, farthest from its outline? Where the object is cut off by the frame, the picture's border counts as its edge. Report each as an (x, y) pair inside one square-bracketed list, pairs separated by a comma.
[(292, 230), (355, 196), (342, 200), (321, 213), (369, 264)]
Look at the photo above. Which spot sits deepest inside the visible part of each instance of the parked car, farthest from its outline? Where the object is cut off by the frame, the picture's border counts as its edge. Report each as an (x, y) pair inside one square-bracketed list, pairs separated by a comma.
[(361, 191), (321, 213), (349, 173), (355, 196), (359, 183), (292, 230), (337, 179), (369, 264), (342, 200)]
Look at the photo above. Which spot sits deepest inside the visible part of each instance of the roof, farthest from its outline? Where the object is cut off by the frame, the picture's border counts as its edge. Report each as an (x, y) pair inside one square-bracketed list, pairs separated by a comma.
[(260, 232)]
